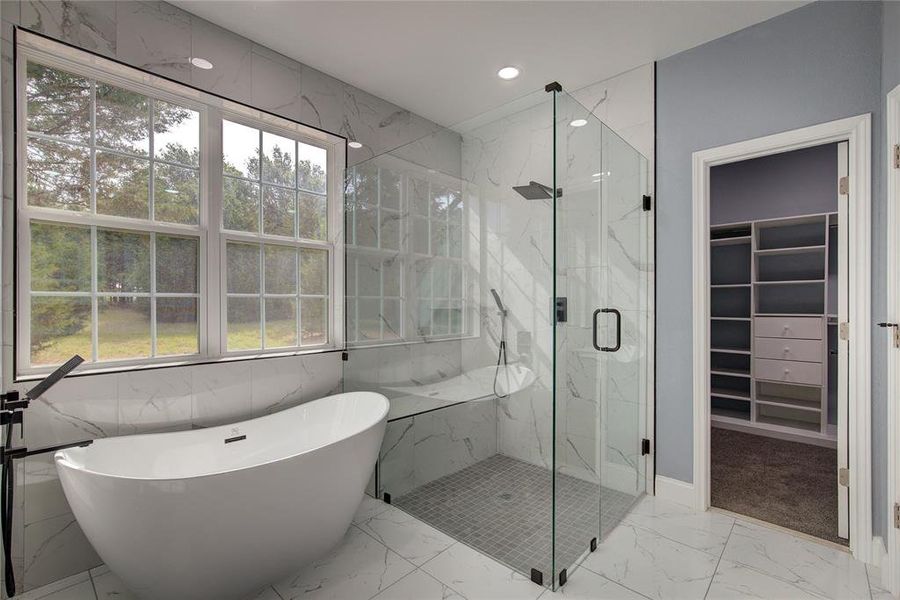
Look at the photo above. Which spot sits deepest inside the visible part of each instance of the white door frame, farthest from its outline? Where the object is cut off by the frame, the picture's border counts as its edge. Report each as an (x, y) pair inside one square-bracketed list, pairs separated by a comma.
[(856, 131), (892, 576)]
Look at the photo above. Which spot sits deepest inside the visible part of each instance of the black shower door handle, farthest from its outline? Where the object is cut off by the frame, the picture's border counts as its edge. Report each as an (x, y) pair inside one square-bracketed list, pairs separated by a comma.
[(618, 330)]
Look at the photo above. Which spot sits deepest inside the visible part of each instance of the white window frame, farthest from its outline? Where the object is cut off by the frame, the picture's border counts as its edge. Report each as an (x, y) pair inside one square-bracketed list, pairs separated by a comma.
[(409, 258), (212, 237)]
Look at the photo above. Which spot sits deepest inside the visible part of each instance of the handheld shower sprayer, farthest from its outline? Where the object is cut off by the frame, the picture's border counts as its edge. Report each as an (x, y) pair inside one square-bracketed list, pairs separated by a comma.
[(501, 354)]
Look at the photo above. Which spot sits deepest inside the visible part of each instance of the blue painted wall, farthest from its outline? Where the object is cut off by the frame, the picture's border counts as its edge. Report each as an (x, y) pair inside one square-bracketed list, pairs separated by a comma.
[(818, 63)]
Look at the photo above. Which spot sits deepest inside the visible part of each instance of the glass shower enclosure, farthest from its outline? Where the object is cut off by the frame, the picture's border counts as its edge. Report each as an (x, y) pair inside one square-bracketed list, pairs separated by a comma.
[(499, 279)]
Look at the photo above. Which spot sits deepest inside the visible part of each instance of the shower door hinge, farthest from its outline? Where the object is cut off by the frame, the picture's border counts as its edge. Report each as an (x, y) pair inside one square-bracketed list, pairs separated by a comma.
[(844, 476), (897, 515), (645, 447), (897, 156), (844, 186), (561, 308), (345, 356), (648, 202)]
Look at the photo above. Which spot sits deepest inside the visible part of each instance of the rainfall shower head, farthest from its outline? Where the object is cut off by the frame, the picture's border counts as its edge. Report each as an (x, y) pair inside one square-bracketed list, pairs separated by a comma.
[(536, 191), (497, 300)]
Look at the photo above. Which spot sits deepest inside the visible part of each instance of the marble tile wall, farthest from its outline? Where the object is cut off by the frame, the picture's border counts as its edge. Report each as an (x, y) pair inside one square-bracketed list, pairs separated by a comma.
[(160, 38)]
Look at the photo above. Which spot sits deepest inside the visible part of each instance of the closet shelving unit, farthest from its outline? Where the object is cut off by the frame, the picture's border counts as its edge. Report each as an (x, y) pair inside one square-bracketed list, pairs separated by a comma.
[(773, 295)]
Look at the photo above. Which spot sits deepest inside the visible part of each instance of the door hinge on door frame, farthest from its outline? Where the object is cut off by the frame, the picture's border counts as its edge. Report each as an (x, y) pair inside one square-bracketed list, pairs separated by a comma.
[(647, 202), (897, 156), (844, 185), (844, 330), (897, 515), (645, 447), (844, 476)]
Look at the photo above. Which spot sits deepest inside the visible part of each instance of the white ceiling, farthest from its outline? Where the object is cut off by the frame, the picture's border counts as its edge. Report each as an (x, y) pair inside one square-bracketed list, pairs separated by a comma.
[(439, 59)]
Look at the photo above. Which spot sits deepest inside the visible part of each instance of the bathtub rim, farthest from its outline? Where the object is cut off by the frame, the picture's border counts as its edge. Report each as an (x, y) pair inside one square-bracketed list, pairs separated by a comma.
[(61, 457)]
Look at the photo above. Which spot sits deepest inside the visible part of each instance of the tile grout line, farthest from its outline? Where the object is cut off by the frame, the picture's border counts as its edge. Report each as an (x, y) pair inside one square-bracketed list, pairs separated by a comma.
[(93, 585), (718, 562)]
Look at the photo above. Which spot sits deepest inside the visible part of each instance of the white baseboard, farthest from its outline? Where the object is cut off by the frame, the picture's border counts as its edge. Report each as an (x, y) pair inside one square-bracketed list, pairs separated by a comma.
[(676, 491)]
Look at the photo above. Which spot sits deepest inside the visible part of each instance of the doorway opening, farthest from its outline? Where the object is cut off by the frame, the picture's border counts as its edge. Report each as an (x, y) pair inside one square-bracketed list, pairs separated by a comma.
[(781, 350)]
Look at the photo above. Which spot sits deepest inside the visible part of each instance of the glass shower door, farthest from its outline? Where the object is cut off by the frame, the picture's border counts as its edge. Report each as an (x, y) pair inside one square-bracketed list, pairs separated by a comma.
[(602, 278)]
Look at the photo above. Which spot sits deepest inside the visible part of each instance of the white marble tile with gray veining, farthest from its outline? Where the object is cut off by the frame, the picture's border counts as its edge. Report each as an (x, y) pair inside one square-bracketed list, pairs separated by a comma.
[(154, 36), (221, 394), (230, 55), (90, 25), (56, 548), (153, 401), (276, 384)]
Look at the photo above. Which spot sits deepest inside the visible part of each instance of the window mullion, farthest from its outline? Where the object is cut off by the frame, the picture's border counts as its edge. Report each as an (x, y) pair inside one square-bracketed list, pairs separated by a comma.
[(153, 348), (151, 105), (95, 309)]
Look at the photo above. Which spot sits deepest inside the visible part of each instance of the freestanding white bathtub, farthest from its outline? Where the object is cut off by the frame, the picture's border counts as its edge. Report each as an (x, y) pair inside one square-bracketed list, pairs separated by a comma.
[(218, 513)]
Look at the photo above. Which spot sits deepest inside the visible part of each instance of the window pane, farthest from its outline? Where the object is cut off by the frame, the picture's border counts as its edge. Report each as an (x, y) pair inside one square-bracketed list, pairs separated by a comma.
[(366, 185), (60, 328), (243, 324), (423, 279), (366, 218), (391, 273), (60, 258), (311, 168), (278, 211), (313, 271), (456, 290), (243, 268), (123, 261), (390, 230), (369, 319), (240, 201), (313, 216), (281, 322), (440, 280), (176, 326), (281, 270), (278, 160), (176, 134), (123, 120), (123, 187), (455, 240), (440, 198), (390, 189), (59, 175), (123, 328), (314, 321), (177, 260), (176, 194), (456, 320), (59, 103), (240, 149), (439, 238), (420, 236), (390, 311), (440, 320), (368, 276), (419, 196)]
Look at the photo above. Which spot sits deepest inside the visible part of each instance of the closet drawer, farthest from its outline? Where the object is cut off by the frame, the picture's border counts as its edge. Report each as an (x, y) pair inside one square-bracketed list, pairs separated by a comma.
[(789, 349), (788, 371), (808, 328)]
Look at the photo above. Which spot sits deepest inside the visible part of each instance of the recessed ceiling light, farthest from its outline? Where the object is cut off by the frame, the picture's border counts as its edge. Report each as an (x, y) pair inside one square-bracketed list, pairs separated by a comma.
[(354, 144), (508, 73), (201, 63), (600, 174), (578, 123)]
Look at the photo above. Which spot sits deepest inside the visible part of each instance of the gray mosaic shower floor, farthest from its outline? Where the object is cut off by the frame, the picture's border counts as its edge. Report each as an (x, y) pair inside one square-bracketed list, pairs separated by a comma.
[(501, 506)]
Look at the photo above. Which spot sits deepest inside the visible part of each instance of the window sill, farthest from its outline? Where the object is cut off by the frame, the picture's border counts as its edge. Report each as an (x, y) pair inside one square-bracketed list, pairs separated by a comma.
[(193, 361), (351, 346)]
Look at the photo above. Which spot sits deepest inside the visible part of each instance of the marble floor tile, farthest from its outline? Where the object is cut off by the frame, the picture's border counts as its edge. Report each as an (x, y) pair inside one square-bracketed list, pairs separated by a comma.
[(359, 567), (814, 567), (652, 565), (79, 591), (875, 586), (586, 585), (733, 582), (419, 585), (57, 587), (478, 577), (707, 531), (108, 585), (368, 508), (409, 537)]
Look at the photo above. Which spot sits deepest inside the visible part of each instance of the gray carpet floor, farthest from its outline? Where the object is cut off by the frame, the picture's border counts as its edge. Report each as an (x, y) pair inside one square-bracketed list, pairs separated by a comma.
[(786, 483)]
